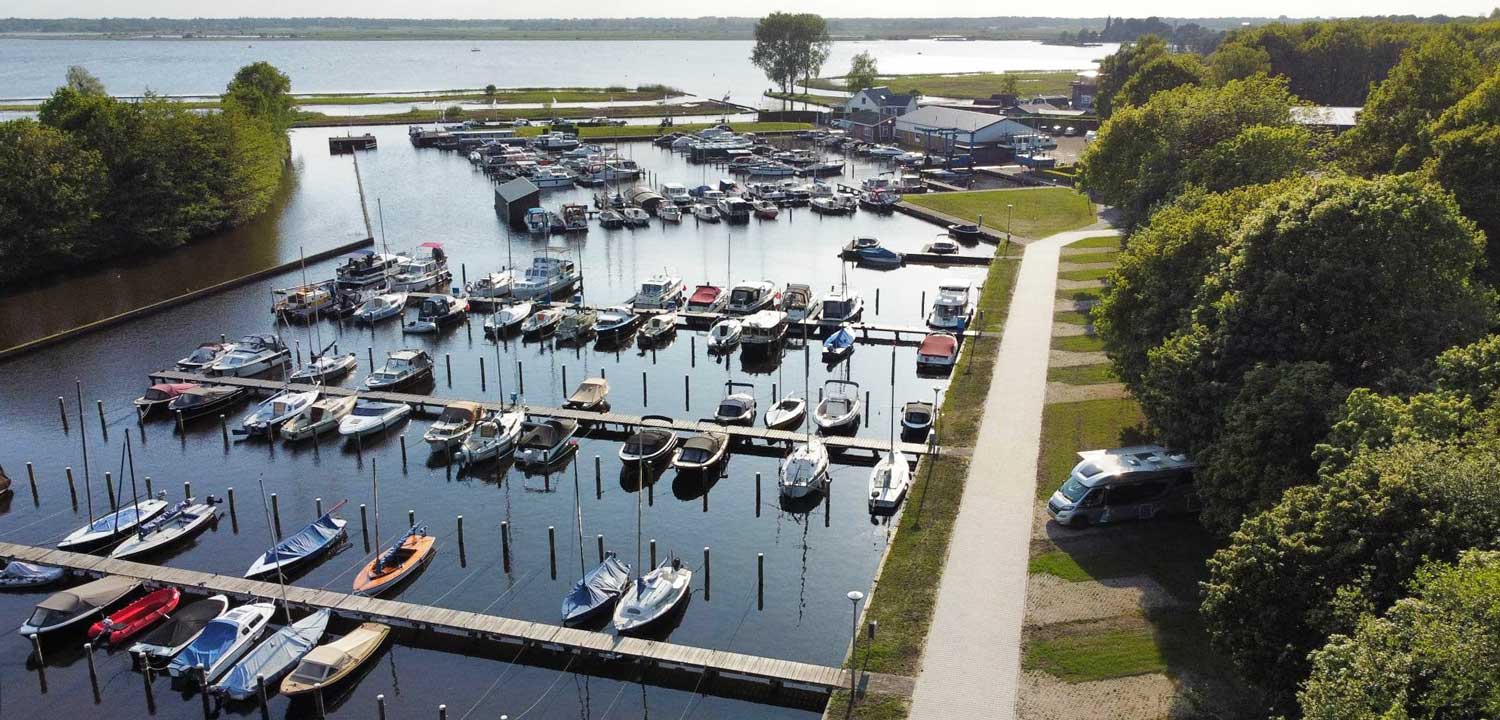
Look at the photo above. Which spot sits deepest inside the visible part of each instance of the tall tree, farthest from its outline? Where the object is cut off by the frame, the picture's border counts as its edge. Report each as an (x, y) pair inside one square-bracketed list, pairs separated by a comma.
[(81, 81), (50, 192), (1163, 73), (259, 89), (1238, 61), (862, 73), (1466, 142), (814, 45), (789, 46), (1392, 132), (1117, 68)]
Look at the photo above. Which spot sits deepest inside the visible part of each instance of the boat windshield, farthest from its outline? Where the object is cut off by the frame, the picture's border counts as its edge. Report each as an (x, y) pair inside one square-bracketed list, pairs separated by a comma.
[(731, 409), (370, 410), (311, 673)]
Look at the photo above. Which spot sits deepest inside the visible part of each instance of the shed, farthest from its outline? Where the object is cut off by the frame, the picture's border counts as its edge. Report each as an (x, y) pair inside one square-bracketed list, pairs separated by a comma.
[(514, 198)]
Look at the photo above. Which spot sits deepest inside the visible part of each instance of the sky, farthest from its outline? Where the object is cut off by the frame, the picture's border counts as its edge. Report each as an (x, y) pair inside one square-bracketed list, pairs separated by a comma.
[(746, 8)]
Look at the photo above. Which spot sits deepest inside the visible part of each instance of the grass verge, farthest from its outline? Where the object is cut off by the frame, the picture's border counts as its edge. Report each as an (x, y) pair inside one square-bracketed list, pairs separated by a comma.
[(1036, 213), (1095, 257), (970, 85), (1096, 655), (1081, 295), (1088, 274), (1107, 242), (1083, 374), (1071, 317), (871, 707), (1078, 343), (1070, 427)]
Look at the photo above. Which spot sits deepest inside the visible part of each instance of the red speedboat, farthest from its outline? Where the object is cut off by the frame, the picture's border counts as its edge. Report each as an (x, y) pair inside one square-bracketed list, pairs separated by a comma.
[(160, 395), (136, 616), (707, 299)]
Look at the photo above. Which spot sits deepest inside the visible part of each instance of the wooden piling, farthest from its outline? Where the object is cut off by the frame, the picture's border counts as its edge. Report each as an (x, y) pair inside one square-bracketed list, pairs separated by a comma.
[(598, 480), (146, 678), (708, 575), (599, 540), (187, 490), (757, 494), (276, 515), (380, 707), (62, 410), (922, 306), (317, 507), (760, 580), (41, 662), (483, 381), (370, 353), (520, 378), (442, 712), (110, 486), (644, 397), (88, 653), (565, 380), (448, 360), (364, 527), (31, 477), (411, 518), (403, 451), (460, 533), (505, 544), (260, 694), (868, 412), (224, 429), (103, 427), (653, 553), (203, 691), (687, 394), (234, 517), (150, 493), (693, 350), (72, 489), (552, 549)]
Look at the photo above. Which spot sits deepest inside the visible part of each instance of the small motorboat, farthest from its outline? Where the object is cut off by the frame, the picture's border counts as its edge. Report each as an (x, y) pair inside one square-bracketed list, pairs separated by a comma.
[(372, 416), (75, 605), (839, 345), (181, 523), (752, 296), (493, 437), (596, 592), (738, 405), (420, 271), (610, 219), (491, 287), (669, 212), (800, 303), (765, 209), (805, 471), (403, 368), (701, 452), (937, 353), (917, 419), (616, 321), (320, 417), (205, 400), (942, 246), (272, 659), (546, 442), (302, 548), (964, 232), (437, 312), (577, 323), (106, 530), (953, 306), (252, 355), (635, 217), (662, 291), (275, 410), (453, 426), (869, 252), (841, 306), (204, 356), (542, 322), (590, 395), (787, 413), (508, 317), (658, 328), (707, 299), (324, 368), (653, 597), (839, 410), (325, 665), (223, 642), (160, 396), (724, 335), (649, 444), (889, 482), (19, 575), (135, 617), (181, 628), (408, 554), (707, 213), (381, 307)]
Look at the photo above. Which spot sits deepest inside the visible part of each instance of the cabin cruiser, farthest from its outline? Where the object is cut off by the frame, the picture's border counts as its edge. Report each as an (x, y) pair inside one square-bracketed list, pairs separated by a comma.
[(707, 299), (677, 194), (648, 444), (707, 213), (453, 426), (660, 292), (380, 307), (305, 302), (322, 416), (252, 355), (575, 218), (635, 217), (538, 221), (735, 209), (765, 209), (403, 368), (555, 142), (204, 356), (942, 246), (616, 320), (275, 410), (839, 410), (436, 313), (658, 327), (752, 296), (724, 335), (805, 471), (366, 268), (842, 306), (610, 219), (552, 176), (953, 305), (763, 330), (371, 416), (879, 200), (490, 287), (323, 367), (493, 437), (422, 272), (937, 353), (223, 641), (738, 405), (160, 395), (548, 277), (868, 251), (508, 317), (577, 322), (883, 151), (543, 443), (668, 212), (800, 303), (542, 322)]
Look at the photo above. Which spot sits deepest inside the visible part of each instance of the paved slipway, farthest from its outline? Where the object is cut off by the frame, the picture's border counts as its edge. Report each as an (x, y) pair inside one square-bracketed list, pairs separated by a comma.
[(971, 667)]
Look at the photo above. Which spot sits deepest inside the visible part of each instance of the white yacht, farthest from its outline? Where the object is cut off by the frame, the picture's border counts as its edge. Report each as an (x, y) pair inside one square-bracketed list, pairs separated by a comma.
[(366, 268), (492, 286), (677, 194), (252, 355), (800, 303), (380, 307), (842, 306), (552, 176), (660, 292), (752, 296), (763, 330), (953, 305), (805, 471), (548, 277), (422, 272)]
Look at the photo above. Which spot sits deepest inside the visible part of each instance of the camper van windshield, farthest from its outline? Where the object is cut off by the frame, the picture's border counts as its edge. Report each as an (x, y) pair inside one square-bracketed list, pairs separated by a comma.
[(1073, 489)]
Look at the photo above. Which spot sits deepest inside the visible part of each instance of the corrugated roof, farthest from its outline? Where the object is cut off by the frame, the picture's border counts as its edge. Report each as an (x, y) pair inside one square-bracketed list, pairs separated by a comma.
[(937, 116)]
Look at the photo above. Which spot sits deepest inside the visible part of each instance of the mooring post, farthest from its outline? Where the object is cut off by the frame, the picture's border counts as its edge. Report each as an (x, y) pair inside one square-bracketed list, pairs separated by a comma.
[(460, 533), (687, 394), (520, 378), (442, 712), (505, 544), (552, 548), (448, 359), (41, 662), (760, 580), (88, 652), (260, 692), (146, 678), (598, 481), (102, 426), (403, 451), (181, 428), (31, 477), (318, 699), (650, 492), (62, 410), (370, 354), (72, 489), (203, 690), (757, 494), (149, 491), (708, 575), (224, 429), (411, 518), (868, 412), (380, 707), (233, 516), (653, 552), (276, 515), (364, 531), (599, 540), (565, 380), (317, 507), (693, 350), (110, 486), (187, 490), (922, 307), (483, 382), (774, 395)]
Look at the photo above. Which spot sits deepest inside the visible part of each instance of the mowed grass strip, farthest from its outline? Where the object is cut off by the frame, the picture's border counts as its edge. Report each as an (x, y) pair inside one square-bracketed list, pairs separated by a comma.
[(903, 600), (1036, 213), (1058, 564), (1097, 655), (1083, 374), (1088, 425), (1081, 295), (1087, 274), (871, 707), (1110, 242), (1072, 317), (1093, 257), (1078, 343)]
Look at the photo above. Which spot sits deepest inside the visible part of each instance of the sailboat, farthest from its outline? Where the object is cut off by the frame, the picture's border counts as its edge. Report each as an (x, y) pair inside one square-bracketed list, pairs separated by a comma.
[(653, 597), (805, 470), (408, 554), (321, 367), (274, 658), (892, 475), (109, 529), (307, 545), (598, 589)]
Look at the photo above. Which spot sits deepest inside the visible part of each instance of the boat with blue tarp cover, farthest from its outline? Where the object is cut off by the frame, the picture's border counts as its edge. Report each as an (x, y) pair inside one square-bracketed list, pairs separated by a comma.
[(223, 642), (596, 592), (273, 658), (308, 544)]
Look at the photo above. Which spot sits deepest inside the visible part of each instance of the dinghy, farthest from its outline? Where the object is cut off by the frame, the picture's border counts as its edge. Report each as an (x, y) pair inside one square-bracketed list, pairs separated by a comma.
[(181, 628), (300, 549), (653, 597), (325, 665), (596, 592), (224, 640), (545, 442), (108, 529), (320, 417), (787, 413), (838, 346), (493, 437), (701, 452), (135, 617), (404, 557), (273, 658), (658, 328), (840, 409), (22, 575), (75, 605), (179, 524)]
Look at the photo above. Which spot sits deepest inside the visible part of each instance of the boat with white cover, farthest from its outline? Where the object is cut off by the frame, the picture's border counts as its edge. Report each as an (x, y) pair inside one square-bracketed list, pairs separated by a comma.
[(269, 661), (181, 523), (724, 335), (509, 317), (307, 545), (493, 437), (223, 642), (380, 307)]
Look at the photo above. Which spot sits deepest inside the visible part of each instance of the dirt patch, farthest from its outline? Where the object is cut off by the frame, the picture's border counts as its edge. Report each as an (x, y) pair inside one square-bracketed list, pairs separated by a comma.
[(1063, 358), (1062, 329), (1079, 284), (1141, 697), (1051, 600), (1066, 266), (1062, 392), (1071, 305)]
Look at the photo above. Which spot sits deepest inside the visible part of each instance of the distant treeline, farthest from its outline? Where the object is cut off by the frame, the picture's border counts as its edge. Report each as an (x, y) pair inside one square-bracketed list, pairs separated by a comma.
[(96, 178)]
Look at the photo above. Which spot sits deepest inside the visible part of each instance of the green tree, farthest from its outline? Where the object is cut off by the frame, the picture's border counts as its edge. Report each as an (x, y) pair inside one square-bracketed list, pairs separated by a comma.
[(80, 80), (1117, 68), (1237, 61), (1466, 142), (1392, 132), (259, 89), (50, 191), (1434, 655), (789, 46), (1163, 73), (862, 73), (1010, 84), (813, 43), (490, 90)]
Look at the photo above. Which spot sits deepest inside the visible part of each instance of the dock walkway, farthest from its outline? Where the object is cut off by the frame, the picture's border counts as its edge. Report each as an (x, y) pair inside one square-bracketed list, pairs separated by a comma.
[(703, 662), (421, 403)]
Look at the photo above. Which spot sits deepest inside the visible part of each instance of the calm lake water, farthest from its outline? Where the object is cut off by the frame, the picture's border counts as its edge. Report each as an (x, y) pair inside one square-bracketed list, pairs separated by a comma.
[(813, 555)]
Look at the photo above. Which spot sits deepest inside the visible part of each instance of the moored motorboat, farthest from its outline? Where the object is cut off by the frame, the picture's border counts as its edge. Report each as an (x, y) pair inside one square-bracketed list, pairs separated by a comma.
[(738, 405), (437, 312), (917, 419), (547, 278), (937, 353), (840, 409), (724, 335), (453, 426), (402, 369), (181, 628), (203, 356), (269, 661), (765, 209), (701, 452), (109, 529), (596, 592), (839, 345), (325, 367), (952, 306), (543, 443), (372, 416), (658, 328), (160, 395), (787, 413), (889, 481), (841, 306), (75, 605), (179, 524), (205, 399), (17, 575), (591, 394), (661, 291), (635, 217), (421, 271), (275, 410), (222, 643), (800, 303), (252, 355), (616, 322), (648, 444), (508, 317), (577, 322), (320, 417), (404, 557), (964, 232), (493, 437), (325, 665), (542, 322), (763, 331), (490, 287), (751, 296), (942, 246), (380, 307), (704, 212), (707, 299), (296, 551), (130, 620), (653, 597)]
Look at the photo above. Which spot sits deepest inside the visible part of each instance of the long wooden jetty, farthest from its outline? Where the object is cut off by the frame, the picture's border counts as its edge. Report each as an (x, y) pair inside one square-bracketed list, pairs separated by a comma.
[(646, 654), (587, 418)]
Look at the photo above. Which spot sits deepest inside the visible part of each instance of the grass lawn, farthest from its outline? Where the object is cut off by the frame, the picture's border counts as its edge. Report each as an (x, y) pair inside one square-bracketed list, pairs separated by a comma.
[(1096, 655), (1104, 242), (1072, 318), (970, 85), (1058, 564), (1083, 374), (875, 707), (1078, 343), (1037, 213), (903, 600), (1089, 274), (1070, 427), (1094, 257)]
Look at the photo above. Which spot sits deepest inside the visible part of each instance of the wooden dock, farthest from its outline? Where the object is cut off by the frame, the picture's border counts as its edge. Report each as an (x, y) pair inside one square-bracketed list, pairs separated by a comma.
[(424, 404), (700, 662)]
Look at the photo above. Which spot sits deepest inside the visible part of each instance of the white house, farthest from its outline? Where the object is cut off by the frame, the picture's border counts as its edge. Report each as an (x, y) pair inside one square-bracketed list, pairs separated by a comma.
[(882, 101)]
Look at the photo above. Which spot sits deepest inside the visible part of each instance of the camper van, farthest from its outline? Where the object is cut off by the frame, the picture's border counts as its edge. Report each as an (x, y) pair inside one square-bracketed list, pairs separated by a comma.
[(1132, 483)]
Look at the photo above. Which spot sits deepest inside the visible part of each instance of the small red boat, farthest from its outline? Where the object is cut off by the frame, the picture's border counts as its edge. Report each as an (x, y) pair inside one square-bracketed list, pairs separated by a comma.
[(938, 352), (136, 616)]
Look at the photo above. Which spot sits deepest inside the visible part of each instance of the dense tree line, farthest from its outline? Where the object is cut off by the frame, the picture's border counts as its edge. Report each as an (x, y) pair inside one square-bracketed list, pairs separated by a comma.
[(96, 178), (1313, 317), (1189, 36)]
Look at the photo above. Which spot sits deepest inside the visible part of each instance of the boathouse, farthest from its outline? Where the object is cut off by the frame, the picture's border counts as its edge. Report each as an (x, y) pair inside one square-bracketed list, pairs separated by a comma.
[(514, 198)]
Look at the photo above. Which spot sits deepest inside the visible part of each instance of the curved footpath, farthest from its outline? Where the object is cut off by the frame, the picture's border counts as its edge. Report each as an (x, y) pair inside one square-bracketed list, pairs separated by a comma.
[(971, 667)]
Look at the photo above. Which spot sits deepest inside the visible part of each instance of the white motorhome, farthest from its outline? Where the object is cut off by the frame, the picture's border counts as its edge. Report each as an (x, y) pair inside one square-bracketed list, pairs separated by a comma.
[(1131, 483)]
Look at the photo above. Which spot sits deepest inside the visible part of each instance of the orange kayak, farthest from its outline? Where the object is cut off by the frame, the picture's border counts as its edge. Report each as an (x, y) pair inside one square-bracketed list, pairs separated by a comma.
[(399, 561)]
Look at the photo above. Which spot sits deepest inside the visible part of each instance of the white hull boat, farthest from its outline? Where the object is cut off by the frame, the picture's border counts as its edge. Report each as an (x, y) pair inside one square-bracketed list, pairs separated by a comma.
[(107, 529), (653, 597), (179, 524), (508, 317), (369, 417), (889, 481), (223, 642), (321, 417), (492, 438), (805, 471), (381, 307)]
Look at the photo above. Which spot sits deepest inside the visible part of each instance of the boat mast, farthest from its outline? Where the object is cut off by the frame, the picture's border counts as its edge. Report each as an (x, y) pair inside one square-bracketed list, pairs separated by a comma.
[(302, 260), (578, 513), (83, 438), (135, 501), (375, 489)]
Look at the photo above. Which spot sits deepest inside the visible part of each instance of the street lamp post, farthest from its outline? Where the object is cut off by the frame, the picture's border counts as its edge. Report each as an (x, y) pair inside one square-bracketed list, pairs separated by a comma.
[(854, 597), (1008, 208)]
